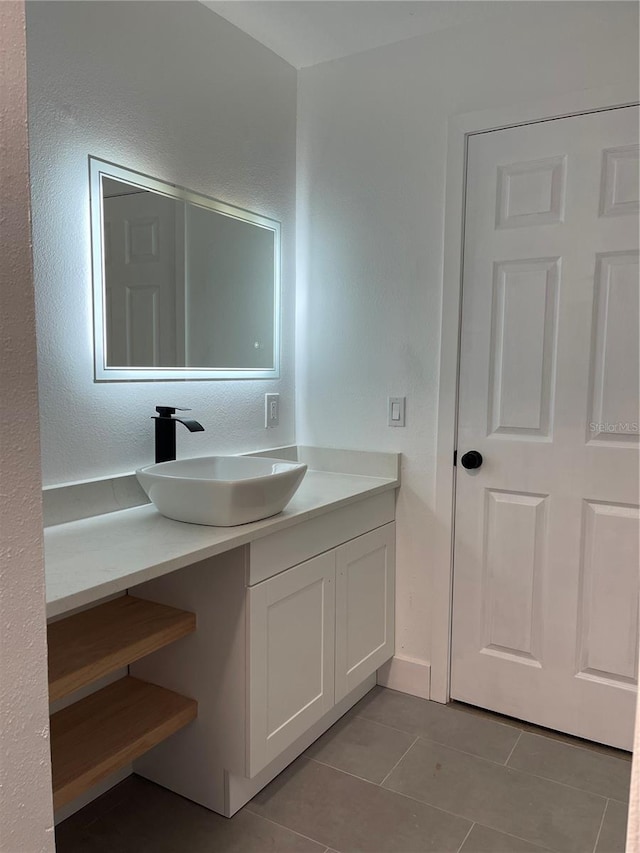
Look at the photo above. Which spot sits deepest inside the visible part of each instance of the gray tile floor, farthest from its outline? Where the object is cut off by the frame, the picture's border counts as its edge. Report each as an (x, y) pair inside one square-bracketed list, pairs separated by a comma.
[(396, 773)]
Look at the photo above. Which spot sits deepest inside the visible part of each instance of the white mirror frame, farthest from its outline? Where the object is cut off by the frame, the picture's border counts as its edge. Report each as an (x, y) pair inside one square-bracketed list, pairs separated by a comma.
[(101, 168)]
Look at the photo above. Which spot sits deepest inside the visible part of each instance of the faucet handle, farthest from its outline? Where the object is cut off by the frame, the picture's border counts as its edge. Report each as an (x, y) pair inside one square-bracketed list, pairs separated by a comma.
[(167, 411)]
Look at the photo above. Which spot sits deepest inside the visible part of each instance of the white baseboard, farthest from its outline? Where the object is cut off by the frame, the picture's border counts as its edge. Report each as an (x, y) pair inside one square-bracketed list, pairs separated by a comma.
[(406, 675)]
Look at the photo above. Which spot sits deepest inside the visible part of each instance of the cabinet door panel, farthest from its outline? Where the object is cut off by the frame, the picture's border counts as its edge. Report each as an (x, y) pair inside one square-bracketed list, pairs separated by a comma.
[(365, 606), (291, 657)]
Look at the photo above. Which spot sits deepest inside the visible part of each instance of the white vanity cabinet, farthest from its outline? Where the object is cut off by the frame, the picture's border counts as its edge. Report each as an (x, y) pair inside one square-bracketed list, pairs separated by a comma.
[(293, 614), (316, 632), (291, 629)]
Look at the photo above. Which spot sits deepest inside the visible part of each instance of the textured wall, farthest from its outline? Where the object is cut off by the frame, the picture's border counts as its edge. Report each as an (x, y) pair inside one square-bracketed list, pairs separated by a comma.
[(26, 816), (372, 136), (172, 90)]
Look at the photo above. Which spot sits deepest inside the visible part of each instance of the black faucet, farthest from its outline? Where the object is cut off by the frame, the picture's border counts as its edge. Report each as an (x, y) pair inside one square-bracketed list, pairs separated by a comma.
[(166, 431)]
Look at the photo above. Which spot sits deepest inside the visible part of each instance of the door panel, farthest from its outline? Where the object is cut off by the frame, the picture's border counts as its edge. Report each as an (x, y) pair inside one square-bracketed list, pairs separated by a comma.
[(531, 193), (365, 607), (615, 377), (512, 574), (620, 181), (291, 656), (545, 618), (525, 302), (607, 647)]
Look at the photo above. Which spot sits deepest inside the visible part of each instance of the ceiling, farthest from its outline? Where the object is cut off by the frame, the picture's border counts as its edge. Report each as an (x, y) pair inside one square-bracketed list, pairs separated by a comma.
[(306, 32)]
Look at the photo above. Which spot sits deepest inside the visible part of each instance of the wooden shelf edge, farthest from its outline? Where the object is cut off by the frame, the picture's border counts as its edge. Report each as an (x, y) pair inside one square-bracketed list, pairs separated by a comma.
[(89, 645), (110, 728)]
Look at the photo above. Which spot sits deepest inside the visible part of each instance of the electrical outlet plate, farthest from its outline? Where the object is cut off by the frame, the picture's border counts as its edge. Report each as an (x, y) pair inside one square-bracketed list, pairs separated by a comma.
[(271, 410), (396, 407)]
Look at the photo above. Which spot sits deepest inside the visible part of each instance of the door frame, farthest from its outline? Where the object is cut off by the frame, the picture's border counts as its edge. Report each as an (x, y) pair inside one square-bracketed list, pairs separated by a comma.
[(460, 128)]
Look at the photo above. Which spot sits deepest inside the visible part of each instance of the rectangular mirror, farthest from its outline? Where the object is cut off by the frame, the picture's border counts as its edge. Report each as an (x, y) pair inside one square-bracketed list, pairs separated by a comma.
[(184, 287)]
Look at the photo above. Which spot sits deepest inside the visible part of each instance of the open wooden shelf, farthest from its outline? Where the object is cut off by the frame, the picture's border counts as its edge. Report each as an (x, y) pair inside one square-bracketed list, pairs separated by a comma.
[(105, 731), (88, 645)]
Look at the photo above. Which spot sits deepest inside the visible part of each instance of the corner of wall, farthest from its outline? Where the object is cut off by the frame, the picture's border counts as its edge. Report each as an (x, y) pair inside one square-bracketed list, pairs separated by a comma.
[(26, 810)]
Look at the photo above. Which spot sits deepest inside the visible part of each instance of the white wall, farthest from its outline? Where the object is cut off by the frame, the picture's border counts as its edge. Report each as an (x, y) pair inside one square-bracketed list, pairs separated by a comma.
[(26, 812), (372, 132), (172, 90)]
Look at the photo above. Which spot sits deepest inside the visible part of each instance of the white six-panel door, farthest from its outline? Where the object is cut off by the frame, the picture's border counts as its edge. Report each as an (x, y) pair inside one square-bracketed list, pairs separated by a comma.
[(545, 616)]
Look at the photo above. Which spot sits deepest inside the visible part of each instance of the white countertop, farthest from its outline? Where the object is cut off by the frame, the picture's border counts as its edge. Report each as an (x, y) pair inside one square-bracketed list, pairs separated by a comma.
[(89, 559)]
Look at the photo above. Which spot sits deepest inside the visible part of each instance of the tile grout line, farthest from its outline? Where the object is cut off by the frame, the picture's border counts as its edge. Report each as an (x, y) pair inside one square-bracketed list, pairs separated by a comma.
[(385, 725), (595, 846), (471, 755), (431, 740), (288, 828), (406, 797), (540, 731), (504, 764), (513, 749), (536, 729), (485, 714), (465, 817), (324, 764), (517, 769), (339, 769), (466, 836), (480, 757), (587, 748), (398, 761), (557, 782), (452, 707), (248, 808), (518, 837)]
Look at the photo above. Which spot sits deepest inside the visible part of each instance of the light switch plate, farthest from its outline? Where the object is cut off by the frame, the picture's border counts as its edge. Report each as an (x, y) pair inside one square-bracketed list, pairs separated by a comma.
[(396, 409), (271, 410)]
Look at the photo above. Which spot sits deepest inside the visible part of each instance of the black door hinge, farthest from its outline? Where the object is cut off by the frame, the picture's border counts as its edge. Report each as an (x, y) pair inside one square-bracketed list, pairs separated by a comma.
[(455, 458)]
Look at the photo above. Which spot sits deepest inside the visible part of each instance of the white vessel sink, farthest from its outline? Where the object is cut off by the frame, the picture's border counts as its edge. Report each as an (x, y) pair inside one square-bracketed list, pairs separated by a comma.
[(221, 491)]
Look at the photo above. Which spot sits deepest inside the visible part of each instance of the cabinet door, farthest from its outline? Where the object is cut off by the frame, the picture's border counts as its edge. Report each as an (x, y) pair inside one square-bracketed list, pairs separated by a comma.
[(365, 606), (291, 657)]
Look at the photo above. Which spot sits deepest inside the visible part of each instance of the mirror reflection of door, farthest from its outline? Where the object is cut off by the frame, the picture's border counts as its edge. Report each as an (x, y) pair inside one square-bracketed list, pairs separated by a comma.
[(143, 242)]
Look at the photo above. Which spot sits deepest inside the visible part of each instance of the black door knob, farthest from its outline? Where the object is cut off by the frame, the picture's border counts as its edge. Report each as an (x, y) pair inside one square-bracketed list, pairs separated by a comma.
[(471, 459)]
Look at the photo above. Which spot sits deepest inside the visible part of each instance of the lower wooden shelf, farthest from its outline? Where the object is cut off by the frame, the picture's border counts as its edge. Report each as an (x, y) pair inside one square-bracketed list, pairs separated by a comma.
[(105, 731)]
